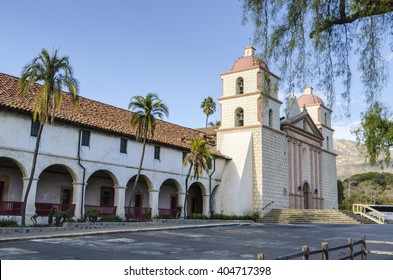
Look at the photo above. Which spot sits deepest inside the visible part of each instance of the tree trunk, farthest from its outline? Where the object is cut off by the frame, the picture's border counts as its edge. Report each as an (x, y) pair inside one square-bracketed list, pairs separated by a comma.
[(137, 177), (186, 193), (33, 166)]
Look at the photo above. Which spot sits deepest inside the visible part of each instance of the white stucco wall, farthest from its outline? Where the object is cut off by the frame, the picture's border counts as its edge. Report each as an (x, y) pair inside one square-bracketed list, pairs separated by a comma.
[(13, 184), (235, 197), (49, 186)]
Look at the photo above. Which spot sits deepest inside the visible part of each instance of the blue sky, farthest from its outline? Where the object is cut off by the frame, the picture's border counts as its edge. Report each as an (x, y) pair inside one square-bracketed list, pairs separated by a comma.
[(119, 49)]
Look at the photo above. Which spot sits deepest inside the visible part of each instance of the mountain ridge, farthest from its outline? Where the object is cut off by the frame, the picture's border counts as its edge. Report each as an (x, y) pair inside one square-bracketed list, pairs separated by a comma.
[(351, 161)]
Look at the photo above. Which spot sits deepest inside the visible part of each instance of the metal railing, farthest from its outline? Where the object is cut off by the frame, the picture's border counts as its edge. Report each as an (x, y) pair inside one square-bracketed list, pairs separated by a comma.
[(138, 213), (10, 208), (363, 210), (167, 213), (104, 210), (43, 209)]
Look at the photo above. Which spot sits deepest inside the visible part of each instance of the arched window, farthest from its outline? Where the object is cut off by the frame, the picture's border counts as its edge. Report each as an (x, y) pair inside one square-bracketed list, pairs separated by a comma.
[(239, 85), (270, 118), (327, 143), (304, 125), (239, 117), (326, 118)]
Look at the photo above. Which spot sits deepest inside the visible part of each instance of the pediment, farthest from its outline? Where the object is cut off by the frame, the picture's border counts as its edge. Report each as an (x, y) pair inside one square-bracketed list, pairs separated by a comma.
[(303, 123)]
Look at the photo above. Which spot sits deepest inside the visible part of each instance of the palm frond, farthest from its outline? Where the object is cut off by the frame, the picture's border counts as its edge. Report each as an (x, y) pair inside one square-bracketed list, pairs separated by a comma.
[(54, 73)]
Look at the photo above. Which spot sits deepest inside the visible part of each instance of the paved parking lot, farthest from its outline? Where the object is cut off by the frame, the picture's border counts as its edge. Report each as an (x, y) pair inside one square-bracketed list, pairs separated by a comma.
[(226, 242)]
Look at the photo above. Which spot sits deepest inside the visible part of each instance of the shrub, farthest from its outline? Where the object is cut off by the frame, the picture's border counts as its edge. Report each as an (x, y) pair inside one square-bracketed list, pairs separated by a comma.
[(111, 218), (51, 215), (199, 217), (254, 216), (148, 214), (8, 223), (92, 214), (61, 217)]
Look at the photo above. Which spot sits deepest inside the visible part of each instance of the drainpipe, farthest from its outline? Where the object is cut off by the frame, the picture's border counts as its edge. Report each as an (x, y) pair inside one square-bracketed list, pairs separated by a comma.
[(210, 188), (84, 170)]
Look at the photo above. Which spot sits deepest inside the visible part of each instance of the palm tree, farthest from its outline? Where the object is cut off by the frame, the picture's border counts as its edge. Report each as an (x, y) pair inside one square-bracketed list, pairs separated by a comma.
[(209, 107), (54, 73), (145, 111), (215, 124), (199, 160)]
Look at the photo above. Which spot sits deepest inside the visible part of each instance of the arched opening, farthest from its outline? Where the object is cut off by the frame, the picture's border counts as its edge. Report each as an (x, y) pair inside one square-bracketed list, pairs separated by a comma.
[(239, 85), (239, 117), (11, 186), (100, 193), (55, 191), (270, 118), (168, 199), (195, 199), (304, 125), (306, 193), (140, 204), (326, 118)]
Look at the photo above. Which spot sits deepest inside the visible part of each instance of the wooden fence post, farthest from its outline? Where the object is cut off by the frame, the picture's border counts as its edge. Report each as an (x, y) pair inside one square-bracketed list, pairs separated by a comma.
[(363, 248), (350, 248), (325, 251), (306, 255), (261, 257)]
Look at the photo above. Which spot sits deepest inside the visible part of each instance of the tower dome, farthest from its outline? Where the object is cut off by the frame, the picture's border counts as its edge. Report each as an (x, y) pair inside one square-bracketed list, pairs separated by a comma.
[(248, 61), (309, 98)]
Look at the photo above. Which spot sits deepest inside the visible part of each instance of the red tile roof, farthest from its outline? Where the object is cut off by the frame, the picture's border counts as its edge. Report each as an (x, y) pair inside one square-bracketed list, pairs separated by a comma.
[(96, 115)]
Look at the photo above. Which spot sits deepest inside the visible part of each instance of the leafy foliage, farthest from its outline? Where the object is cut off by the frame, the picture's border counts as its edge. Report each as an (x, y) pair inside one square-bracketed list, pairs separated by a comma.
[(111, 218), (8, 223), (376, 132), (92, 214), (314, 40), (61, 217), (367, 188)]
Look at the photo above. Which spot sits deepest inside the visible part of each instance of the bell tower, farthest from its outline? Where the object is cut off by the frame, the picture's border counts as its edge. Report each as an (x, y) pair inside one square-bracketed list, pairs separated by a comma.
[(249, 105), (249, 99)]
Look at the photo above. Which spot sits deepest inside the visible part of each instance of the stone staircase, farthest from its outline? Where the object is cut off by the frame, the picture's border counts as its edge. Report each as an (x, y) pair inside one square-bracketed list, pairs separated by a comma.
[(357, 217), (307, 216)]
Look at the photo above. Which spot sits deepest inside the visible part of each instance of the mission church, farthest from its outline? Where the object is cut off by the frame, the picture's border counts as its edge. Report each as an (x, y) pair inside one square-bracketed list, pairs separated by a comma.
[(89, 157)]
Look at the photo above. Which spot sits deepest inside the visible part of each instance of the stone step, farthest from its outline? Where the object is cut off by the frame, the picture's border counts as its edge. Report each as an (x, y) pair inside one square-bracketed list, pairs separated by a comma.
[(307, 216)]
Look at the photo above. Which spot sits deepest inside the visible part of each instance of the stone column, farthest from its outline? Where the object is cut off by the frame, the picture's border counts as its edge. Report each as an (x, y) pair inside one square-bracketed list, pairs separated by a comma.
[(205, 204), (120, 193), (77, 189), (153, 202), (30, 204), (180, 201)]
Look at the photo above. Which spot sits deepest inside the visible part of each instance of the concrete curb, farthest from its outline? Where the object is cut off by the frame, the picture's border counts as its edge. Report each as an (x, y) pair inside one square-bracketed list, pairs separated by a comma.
[(75, 233)]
